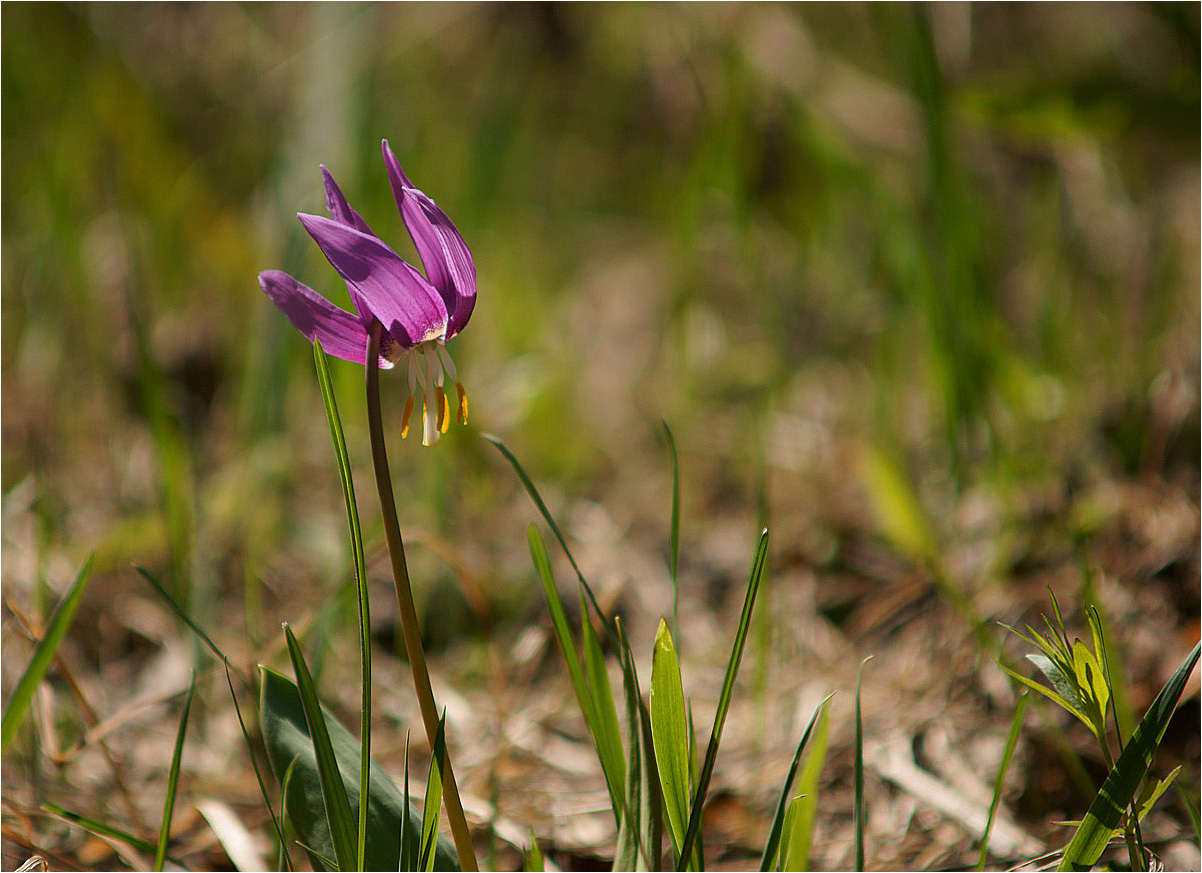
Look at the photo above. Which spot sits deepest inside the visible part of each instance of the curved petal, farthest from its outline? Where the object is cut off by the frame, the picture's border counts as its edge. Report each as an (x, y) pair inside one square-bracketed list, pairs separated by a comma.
[(444, 254), (341, 334), (339, 208), (391, 290)]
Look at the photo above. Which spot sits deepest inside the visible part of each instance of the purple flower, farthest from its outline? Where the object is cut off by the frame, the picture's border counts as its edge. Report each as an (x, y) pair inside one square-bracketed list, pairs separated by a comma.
[(419, 313)]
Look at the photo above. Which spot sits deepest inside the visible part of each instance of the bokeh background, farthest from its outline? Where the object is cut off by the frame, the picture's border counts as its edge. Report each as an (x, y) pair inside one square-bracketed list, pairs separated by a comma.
[(917, 287)]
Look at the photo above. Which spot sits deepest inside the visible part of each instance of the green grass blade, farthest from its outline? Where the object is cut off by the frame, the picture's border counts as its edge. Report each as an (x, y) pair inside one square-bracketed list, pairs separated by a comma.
[(250, 749), (433, 805), (674, 535), (607, 734), (560, 625), (352, 517), (182, 613), (802, 839), (546, 514), (1016, 726), (534, 856), (338, 808), (56, 630), (758, 565), (408, 854), (669, 734), (1105, 813), (1154, 792), (285, 784), (858, 777), (104, 830), (775, 832), (641, 831), (160, 854)]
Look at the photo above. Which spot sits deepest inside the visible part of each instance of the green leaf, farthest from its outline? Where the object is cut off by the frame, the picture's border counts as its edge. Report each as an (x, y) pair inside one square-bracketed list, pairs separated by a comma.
[(1064, 683), (798, 851), (606, 733), (534, 856), (758, 565), (333, 792), (1016, 725), (160, 853), (641, 830), (669, 733), (56, 630), (1091, 682), (286, 736), (409, 846), (1153, 794), (1105, 814), (364, 601), (776, 831), (433, 804)]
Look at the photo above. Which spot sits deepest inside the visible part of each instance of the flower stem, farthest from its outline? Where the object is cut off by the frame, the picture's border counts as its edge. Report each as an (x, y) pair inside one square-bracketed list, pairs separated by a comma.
[(409, 626)]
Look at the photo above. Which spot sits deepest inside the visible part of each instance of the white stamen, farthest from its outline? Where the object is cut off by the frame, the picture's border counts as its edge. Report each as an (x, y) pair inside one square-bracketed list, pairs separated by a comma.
[(433, 366), (447, 363)]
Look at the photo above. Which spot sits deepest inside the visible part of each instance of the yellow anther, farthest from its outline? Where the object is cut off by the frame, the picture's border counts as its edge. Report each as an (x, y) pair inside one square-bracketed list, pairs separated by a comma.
[(462, 403), (444, 420), (405, 417)]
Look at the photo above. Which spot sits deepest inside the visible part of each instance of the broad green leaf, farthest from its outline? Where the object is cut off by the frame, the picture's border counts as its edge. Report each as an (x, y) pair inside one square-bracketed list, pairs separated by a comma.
[(1152, 794), (1016, 725), (669, 733), (286, 736), (56, 630), (1091, 682), (801, 840), (1105, 814), (177, 756), (758, 565), (433, 804), (776, 831), (338, 810), (607, 734), (362, 596)]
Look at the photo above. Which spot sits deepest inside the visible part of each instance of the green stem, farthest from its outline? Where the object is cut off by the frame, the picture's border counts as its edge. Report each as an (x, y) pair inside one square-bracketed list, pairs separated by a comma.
[(409, 626)]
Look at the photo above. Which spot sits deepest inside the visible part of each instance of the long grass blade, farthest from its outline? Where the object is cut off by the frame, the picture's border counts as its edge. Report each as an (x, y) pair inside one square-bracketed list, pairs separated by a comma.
[(669, 733), (608, 735), (160, 854), (285, 784), (1105, 814), (103, 830), (534, 856), (433, 804), (56, 630), (797, 853), (407, 860), (528, 484), (759, 564), (772, 845), (858, 777), (641, 831), (1016, 726), (338, 808), (674, 532), (364, 601)]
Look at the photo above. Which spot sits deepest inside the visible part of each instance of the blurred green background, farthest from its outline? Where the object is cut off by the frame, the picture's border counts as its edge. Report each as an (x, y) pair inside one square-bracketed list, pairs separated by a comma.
[(869, 262)]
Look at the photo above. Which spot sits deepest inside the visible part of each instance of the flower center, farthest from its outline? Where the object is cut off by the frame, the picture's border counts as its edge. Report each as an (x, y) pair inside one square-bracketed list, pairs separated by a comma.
[(430, 367)]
